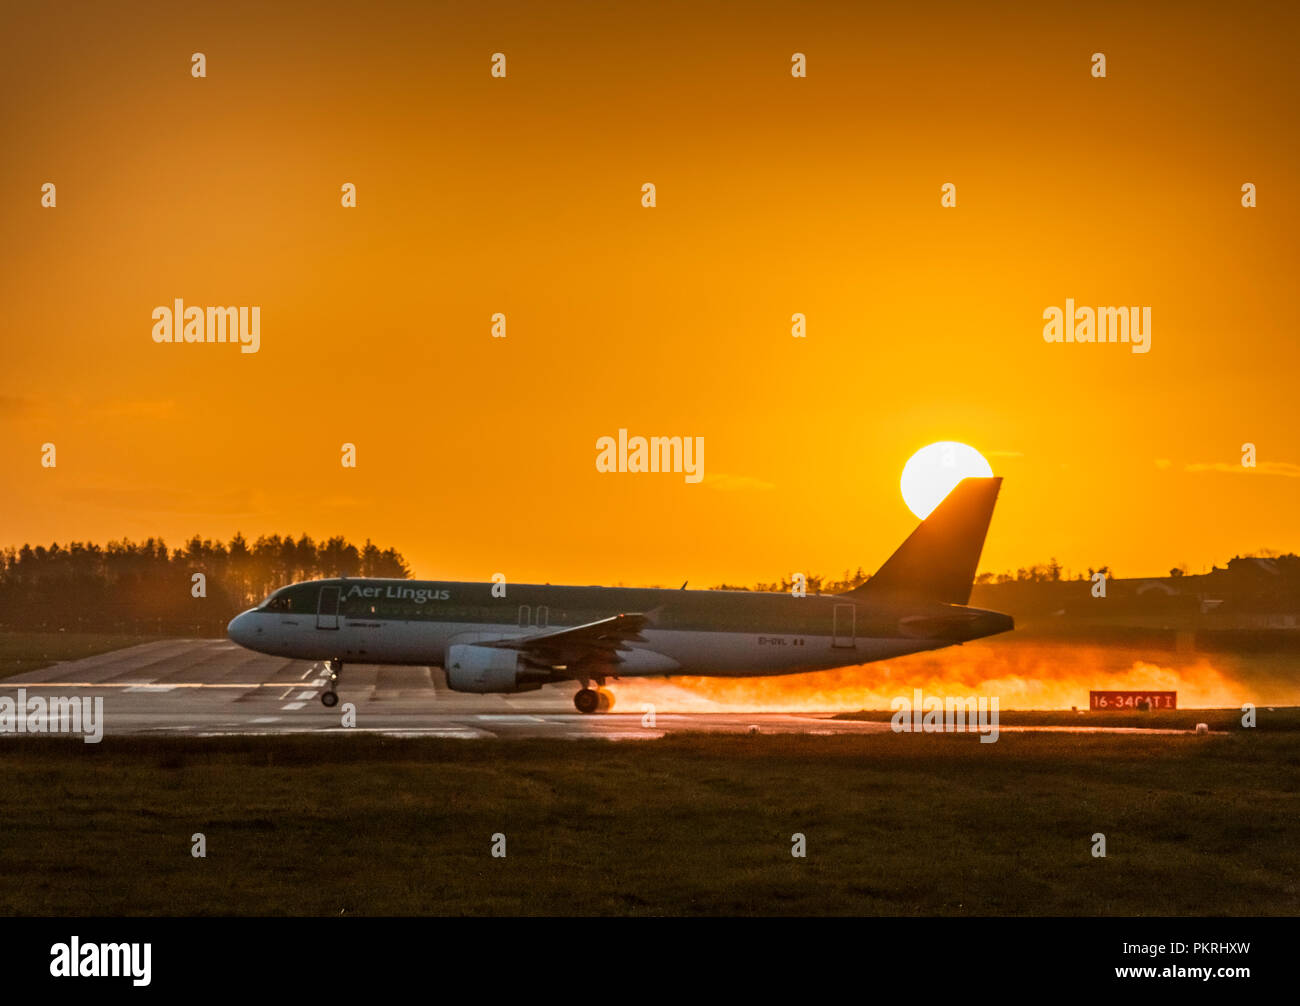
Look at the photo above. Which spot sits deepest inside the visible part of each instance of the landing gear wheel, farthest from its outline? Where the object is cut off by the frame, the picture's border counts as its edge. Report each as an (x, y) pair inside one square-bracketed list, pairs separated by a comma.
[(587, 700), (606, 700), (333, 671)]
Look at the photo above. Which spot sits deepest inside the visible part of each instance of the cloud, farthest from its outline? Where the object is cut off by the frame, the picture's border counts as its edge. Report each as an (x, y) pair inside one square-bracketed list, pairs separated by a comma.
[(1284, 468)]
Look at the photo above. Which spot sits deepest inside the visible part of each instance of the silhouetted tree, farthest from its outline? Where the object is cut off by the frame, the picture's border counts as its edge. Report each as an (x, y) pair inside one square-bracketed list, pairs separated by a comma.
[(143, 587)]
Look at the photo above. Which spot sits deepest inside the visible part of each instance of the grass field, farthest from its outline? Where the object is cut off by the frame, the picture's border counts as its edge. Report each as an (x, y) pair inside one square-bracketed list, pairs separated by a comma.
[(1283, 719), (26, 651), (691, 824)]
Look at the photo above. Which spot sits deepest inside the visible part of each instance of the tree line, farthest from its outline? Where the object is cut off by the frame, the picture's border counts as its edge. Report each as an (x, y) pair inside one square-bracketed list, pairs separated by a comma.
[(143, 587), (814, 583)]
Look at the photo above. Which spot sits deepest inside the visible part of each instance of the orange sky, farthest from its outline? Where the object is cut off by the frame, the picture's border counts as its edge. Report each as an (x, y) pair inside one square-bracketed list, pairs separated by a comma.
[(776, 195)]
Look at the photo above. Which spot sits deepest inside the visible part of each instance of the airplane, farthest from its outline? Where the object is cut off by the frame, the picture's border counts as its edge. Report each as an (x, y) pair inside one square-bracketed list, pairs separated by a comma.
[(541, 634)]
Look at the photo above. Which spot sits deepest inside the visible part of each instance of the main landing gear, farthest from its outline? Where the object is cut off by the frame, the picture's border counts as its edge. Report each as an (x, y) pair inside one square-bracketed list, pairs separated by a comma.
[(594, 700), (330, 698)]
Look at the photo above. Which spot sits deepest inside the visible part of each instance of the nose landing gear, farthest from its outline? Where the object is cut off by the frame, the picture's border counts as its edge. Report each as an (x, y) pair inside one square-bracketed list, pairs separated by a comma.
[(330, 697)]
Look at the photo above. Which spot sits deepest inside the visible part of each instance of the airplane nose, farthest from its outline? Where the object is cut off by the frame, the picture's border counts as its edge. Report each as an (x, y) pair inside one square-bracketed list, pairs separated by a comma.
[(239, 630)]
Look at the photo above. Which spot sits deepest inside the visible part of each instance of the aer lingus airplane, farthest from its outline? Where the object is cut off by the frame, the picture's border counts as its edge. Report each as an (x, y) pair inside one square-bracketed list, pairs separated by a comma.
[(541, 634)]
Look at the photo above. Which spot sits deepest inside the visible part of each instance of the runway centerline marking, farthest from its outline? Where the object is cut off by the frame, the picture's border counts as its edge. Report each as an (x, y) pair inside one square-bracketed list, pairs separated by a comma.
[(29, 685)]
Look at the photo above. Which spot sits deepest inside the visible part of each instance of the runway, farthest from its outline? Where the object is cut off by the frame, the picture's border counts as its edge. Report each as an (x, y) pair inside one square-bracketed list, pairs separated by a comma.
[(209, 687)]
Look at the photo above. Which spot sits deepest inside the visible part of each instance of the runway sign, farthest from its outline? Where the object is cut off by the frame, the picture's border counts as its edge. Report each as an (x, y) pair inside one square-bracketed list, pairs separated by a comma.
[(1132, 700)]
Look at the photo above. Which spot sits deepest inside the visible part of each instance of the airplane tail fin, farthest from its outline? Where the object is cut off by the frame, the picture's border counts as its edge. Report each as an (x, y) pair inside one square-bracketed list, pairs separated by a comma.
[(938, 560)]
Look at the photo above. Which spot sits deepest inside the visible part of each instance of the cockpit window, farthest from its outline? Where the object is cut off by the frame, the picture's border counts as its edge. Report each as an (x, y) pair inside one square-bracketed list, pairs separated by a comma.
[(300, 599)]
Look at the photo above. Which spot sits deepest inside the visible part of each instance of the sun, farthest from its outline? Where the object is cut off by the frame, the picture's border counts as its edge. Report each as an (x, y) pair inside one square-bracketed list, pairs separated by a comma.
[(931, 473)]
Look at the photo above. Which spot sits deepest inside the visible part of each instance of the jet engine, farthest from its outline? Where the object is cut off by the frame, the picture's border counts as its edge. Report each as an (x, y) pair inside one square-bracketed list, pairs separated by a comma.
[(489, 669)]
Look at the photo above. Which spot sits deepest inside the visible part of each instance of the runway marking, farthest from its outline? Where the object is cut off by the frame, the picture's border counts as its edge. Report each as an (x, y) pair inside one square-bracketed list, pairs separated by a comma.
[(129, 684), (309, 694), (309, 670), (465, 733), (285, 693), (266, 719), (455, 733), (148, 688), (510, 718), (294, 705)]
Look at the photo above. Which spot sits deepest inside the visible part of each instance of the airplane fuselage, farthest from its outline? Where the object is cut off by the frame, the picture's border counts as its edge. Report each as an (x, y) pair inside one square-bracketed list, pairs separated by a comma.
[(494, 637), (697, 632)]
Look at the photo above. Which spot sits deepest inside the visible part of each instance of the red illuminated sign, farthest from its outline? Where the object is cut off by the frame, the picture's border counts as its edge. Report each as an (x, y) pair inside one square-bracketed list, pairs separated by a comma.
[(1132, 700)]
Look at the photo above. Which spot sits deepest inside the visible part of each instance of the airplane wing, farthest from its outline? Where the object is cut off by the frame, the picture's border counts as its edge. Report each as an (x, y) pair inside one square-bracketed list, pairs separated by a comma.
[(597, 642)]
